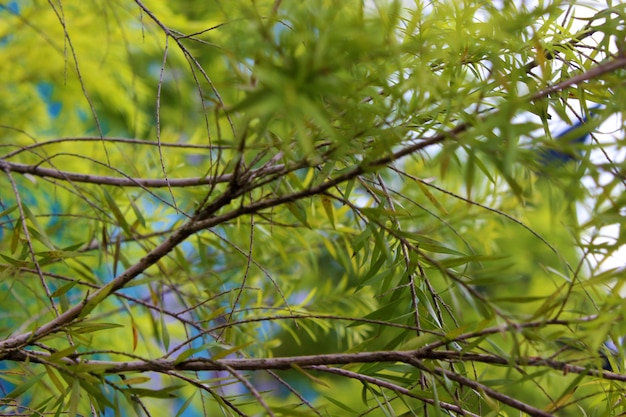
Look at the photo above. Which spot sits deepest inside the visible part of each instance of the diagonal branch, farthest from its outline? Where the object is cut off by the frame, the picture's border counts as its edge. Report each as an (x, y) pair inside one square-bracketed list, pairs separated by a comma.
[(207, 218)]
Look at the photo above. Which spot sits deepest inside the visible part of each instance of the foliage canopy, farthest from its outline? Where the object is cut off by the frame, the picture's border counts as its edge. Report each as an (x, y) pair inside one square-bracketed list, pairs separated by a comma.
[(311, 208)]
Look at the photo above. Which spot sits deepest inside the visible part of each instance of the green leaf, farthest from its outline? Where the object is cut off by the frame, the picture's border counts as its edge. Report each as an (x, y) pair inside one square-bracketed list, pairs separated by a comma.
[(90, 327), (225, 352), (165, 335), (115, 210), (15, 236), (38, 232), (93, 301), (26, 386), (63, 289), (299, 212), (328, 208), (185, 405), (8, 211), (137, 212), (431, 197), (308, 375), (166, 392), (341, 405), (74, 398), (56, 356)]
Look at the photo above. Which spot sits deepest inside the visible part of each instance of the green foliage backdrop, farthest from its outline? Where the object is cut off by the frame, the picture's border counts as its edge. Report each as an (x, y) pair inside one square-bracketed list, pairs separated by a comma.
[(311, 208)]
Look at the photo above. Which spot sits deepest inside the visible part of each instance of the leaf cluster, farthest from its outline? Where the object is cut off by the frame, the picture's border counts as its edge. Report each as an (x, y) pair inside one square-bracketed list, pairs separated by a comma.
[(310, 208)]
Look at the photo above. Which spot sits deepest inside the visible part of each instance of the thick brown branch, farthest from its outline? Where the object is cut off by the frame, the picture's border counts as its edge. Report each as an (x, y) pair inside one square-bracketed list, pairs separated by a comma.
[(128, 182), (282, 363)]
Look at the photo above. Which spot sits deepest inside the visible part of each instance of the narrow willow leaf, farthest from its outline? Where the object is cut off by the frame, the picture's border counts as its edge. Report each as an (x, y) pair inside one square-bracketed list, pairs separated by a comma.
[(185, 405), (342, 405), (328, 208), (154, 393), (38, 232), (182, 259), (26, 386), (8, 211), (51, 373), (223, 353), (95, 300), (16, 262), (92, 369), (463, 260), (431, 197), (105, 240), (299, 212), (364, 391), (257, 100), (381, 244), (63, 289), (60, 254), (54, 357), (137, 212), (15, 236), (115, 210), (324, 174), (165, 334), (133, 380), (74, 399), (348, 189), (309, 296), (419, 341), (215, 313), (566, 395), (187, 353), (310, 175), (117, 254), (470, 171), (384, 312), (135, 333), (309, 376), (436, 402), (88, 327)]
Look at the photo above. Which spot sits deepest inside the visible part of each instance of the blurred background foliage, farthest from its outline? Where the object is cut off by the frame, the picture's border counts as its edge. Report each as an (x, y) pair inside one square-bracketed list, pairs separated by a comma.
[(455, 223)]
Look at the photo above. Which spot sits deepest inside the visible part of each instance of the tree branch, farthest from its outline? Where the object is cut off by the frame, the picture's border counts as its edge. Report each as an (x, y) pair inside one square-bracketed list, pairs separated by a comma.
[(38, 171), (305, 361)]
